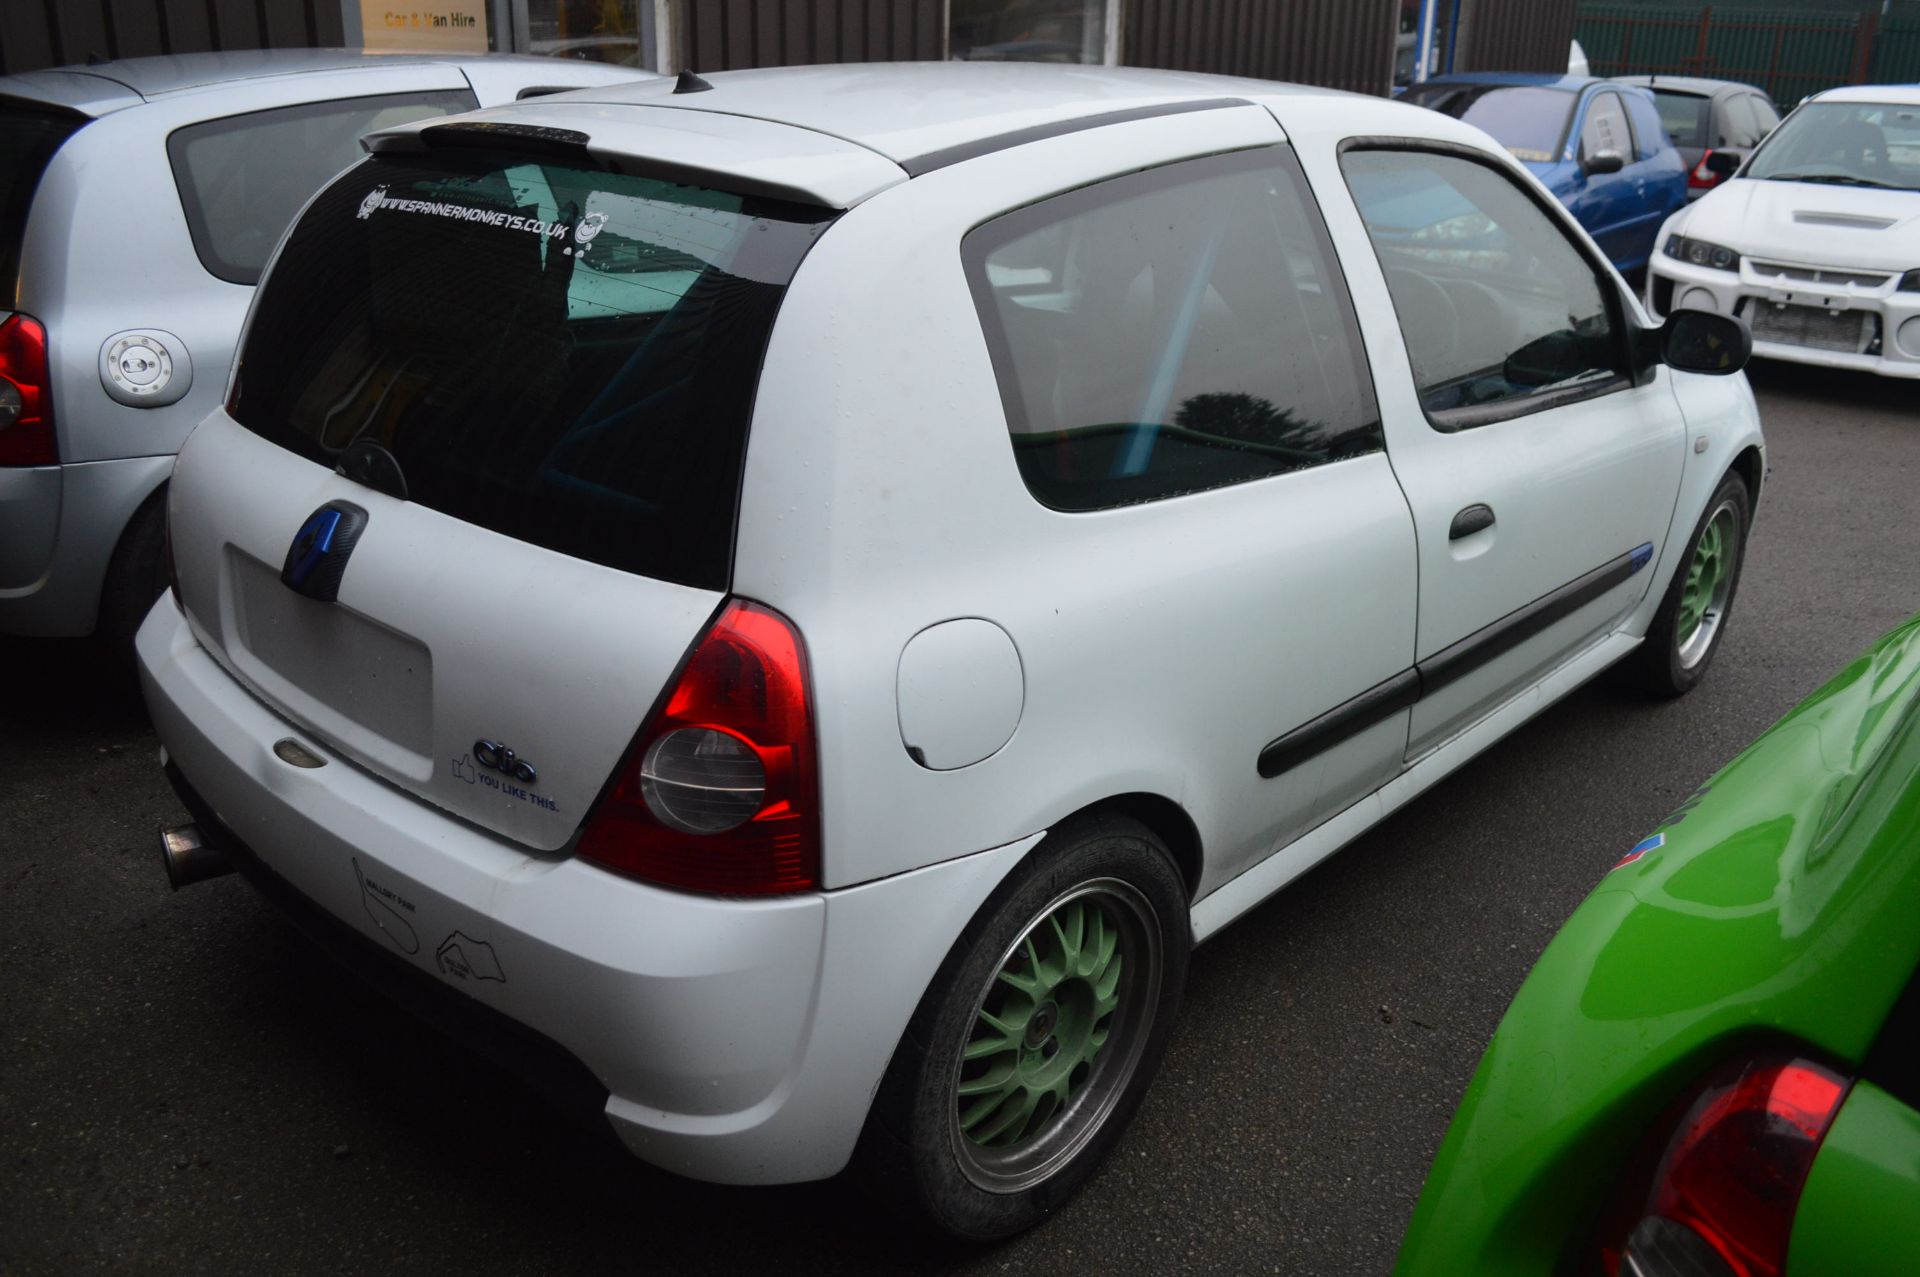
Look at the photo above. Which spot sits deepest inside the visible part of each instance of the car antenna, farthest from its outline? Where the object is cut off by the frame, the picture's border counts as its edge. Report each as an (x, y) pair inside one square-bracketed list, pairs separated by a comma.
[(95, 60), (690, 83)]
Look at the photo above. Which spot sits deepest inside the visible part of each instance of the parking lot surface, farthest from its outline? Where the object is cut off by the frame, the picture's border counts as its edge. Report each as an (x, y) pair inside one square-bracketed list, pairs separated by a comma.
[(186, 1086)]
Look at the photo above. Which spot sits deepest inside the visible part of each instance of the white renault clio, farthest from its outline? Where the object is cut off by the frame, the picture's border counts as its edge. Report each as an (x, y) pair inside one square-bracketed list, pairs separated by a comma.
[(812, 593), (1816, 240)]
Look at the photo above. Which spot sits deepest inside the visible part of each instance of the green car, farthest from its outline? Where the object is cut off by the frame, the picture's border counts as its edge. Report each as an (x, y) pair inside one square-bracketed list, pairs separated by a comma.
[(1714, 1069)]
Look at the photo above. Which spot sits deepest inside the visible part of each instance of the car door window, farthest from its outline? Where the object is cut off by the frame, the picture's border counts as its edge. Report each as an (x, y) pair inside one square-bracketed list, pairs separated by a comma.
[(1171, 331), (1605, 129), (243, 177), (1501, 311)]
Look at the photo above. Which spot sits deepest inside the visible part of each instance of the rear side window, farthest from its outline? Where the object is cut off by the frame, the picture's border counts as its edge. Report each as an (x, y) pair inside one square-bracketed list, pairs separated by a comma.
[(242, 178), (1172, 331), (1743, 124), (29, 137), (1683, 116), (560, 354)]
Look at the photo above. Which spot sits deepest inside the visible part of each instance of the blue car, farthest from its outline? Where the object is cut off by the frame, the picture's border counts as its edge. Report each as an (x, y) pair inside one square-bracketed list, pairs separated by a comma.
[(1598, 146)]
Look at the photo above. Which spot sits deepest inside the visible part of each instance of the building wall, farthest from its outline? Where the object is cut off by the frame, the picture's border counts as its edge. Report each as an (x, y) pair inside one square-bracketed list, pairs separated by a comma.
[(1345, 44), (1515, 35), (719, 35), (1342, 44), (42, 33)]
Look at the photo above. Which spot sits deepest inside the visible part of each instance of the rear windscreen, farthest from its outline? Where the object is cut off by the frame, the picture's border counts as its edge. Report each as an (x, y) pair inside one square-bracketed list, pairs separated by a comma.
[(560, 354), (1530, 121), (29, 136)]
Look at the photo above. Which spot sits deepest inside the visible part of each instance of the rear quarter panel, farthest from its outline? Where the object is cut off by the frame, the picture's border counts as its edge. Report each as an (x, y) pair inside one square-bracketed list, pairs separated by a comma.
[(881, 497), (108, 249)]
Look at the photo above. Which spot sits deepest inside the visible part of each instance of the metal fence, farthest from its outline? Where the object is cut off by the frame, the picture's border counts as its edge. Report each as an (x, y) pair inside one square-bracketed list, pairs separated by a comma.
[(1788, 52), (35, 34)]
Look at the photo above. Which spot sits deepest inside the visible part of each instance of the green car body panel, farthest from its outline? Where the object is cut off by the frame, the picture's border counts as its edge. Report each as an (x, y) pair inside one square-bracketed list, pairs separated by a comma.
[(1868, 1170), (1781, 906)]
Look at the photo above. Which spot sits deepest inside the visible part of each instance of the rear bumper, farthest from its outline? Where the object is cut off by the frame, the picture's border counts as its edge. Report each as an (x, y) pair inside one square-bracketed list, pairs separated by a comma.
[(738, 1041), (58, 529)]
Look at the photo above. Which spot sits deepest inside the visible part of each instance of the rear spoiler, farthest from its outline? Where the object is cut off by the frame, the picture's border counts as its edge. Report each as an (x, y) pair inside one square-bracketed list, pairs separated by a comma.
[(741, 154)]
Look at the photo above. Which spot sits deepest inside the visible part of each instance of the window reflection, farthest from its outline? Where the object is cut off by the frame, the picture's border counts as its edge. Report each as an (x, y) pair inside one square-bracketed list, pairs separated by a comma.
[(1175, 331), (1496, 304)]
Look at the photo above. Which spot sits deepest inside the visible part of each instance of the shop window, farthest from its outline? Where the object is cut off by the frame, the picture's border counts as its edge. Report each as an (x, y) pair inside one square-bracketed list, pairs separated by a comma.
[(611, 31), (1033, 30)]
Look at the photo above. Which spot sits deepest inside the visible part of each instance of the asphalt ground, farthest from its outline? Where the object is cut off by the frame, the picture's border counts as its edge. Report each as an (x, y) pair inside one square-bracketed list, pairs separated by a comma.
[(187, 1087)]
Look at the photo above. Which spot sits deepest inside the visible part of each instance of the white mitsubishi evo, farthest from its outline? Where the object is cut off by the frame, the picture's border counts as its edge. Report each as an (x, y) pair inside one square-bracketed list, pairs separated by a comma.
[(808, 594)]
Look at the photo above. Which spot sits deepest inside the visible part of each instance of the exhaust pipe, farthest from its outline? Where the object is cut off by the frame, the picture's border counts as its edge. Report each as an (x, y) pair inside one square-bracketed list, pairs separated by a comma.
[(189, 858)]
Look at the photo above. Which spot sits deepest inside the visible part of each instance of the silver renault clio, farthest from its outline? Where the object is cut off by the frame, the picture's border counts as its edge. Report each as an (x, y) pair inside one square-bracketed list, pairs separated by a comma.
[(139, 200), (805, 594)]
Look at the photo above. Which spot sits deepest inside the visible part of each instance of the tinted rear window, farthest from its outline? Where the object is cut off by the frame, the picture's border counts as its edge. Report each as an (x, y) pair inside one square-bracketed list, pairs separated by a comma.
[(560, 354), (243, 177), (29, 137), (1530, 122), (1683, 116)]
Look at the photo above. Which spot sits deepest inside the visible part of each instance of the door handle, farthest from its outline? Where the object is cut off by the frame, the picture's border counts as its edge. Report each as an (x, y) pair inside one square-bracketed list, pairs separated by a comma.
[(1475, 518)]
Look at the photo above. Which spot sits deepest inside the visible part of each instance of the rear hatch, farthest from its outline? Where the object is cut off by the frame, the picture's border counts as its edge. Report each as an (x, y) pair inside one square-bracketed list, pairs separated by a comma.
[(524, 383)]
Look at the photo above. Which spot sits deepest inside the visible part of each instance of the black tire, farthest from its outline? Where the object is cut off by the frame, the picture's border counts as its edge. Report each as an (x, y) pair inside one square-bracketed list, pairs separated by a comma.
[(913, 1152), (136, 576), (1670, 663)]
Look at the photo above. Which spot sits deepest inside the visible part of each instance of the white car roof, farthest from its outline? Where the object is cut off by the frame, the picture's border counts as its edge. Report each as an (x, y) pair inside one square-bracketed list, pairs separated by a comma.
[(872, 125), (906, 110), (1900, 94), (100, 87)]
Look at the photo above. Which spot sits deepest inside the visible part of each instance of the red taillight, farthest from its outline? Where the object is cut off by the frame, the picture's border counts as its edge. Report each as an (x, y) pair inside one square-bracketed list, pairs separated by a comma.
[(26, 401), (1702, 177), (1723, 1195), (720, 791)]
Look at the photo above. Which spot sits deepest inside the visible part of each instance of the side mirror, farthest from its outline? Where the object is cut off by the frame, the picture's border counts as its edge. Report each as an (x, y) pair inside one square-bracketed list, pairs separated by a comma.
[(1605, 162), (1723, 162), (1704, 342)]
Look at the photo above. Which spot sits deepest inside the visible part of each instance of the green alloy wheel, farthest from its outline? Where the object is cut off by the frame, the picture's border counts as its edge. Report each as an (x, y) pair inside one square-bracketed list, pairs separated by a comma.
[(1038, 1036), (1708, 586), (1687, 629), (1035, 1078)]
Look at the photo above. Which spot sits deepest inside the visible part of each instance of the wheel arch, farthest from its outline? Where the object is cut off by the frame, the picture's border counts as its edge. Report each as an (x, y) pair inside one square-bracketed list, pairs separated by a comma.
[(1751, 467), (1166, 818)]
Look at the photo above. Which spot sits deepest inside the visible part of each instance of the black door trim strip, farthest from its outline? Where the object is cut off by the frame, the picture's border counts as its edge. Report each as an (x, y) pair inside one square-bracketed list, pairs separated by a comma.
[(1510, 631), (919, 164), (1345, 720), (1450, 664)]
